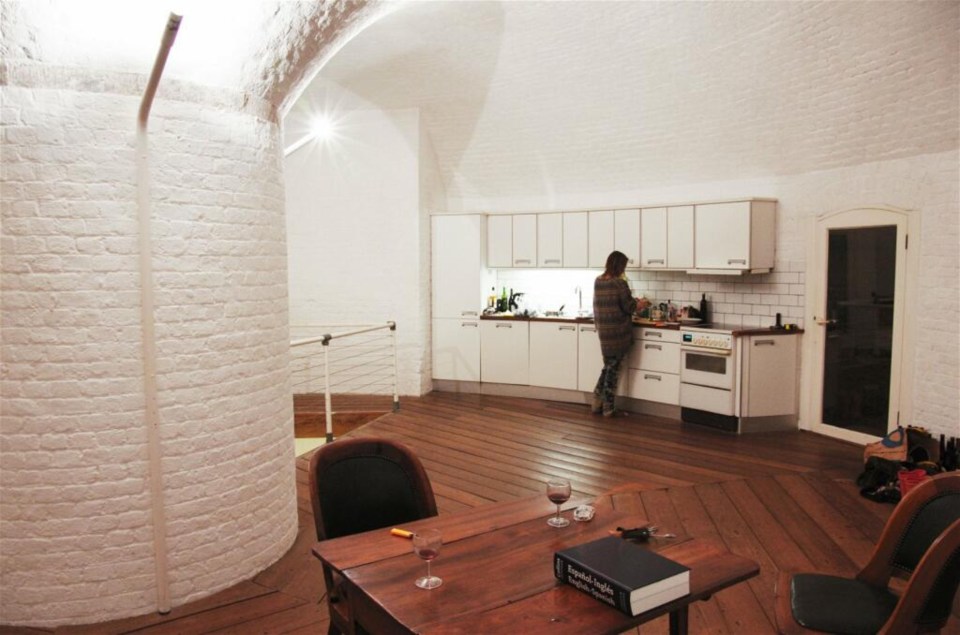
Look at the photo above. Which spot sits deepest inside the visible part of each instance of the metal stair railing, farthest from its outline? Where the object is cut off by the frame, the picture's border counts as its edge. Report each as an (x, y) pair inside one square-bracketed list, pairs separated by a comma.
[(355, 360)]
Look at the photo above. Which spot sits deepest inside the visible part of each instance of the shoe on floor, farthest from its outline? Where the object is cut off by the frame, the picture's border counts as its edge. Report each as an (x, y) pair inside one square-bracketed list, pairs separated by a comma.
[(614, 413)]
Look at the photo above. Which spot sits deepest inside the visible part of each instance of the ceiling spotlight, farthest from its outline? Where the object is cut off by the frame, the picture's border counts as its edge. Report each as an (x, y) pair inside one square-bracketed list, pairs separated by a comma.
[(322, 127)]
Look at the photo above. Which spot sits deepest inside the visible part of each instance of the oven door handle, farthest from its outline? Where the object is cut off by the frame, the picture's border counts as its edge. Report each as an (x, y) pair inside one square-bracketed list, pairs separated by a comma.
[(712, 352)]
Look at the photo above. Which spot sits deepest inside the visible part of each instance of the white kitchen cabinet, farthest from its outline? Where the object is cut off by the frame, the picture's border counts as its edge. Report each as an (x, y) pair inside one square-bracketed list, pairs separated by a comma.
[(459, 277), (553, 355), (734, 237), (600, 238), (654, 366), (456, 349), (653, 238), (769, 375), (626, 235), (500, 240), (590, 359), (575, 243), (550, 240), (525, 240), (666, 237), (504, 352)]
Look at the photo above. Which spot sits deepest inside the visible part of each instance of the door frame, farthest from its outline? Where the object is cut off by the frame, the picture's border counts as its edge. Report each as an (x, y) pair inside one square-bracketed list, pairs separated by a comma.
[(904, 322)]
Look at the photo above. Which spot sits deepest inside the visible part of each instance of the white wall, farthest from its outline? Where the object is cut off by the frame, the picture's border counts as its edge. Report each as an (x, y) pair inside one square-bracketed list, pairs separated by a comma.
[(357, 229), (76, 535)]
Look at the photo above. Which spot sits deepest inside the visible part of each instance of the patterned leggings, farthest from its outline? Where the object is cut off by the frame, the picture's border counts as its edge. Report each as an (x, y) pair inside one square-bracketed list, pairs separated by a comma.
[(606, 389)]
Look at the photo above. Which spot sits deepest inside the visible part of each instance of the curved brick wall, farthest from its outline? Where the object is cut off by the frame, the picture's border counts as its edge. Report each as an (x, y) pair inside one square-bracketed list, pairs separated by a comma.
[(75, 528)]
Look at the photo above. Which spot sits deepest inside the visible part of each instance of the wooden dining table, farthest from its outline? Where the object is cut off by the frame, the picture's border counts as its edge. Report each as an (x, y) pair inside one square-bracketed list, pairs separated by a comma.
[(496, 563)]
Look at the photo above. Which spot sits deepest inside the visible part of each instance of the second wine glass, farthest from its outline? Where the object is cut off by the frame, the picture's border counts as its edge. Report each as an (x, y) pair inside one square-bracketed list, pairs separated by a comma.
[(558, 491), (426, 544)]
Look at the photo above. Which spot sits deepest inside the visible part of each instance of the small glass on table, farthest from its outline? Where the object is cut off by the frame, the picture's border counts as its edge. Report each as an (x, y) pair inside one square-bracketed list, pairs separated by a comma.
[(558, 491), (426, 544)]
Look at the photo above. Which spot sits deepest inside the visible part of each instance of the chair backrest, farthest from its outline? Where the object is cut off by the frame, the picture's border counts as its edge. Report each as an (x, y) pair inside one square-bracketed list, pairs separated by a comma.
[(365, 483), (917, 520), (926, 603), (939, 509)]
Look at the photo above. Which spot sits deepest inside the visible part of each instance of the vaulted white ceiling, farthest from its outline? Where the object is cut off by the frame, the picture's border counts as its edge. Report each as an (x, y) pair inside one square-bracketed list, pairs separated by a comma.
[(519, 98)]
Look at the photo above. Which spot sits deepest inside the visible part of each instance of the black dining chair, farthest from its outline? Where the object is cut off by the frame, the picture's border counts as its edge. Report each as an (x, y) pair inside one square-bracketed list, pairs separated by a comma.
[(921, 542), (361, 484)]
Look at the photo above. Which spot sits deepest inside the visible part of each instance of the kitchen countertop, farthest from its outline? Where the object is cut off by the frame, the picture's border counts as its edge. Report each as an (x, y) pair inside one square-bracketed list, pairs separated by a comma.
[(737, 331)]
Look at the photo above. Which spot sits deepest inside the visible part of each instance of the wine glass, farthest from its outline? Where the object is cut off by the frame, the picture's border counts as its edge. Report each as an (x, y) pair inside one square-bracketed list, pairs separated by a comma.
[(558, 491), (426, 544)]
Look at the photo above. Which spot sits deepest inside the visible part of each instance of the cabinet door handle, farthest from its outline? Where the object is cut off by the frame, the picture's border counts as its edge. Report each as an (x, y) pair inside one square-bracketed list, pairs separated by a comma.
[(657, 377), (473, 324), (588, 329), (655, 347), (764, 343), (504, 326), (736, 261), (469, 313), (522, 261), (655, 261), (568, 328), (551, 260), (652, 334)]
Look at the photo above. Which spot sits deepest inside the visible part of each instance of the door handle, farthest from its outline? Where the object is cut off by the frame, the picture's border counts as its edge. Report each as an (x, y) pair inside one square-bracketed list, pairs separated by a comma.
[(825, 322)]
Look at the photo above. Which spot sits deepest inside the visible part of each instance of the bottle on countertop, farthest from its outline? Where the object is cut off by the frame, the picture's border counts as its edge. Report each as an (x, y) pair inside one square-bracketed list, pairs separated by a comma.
[(492, 298), (504, 301), (704, 317)]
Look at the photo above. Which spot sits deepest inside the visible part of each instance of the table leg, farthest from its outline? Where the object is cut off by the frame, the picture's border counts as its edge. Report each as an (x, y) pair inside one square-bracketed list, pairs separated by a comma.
[(679, 621)]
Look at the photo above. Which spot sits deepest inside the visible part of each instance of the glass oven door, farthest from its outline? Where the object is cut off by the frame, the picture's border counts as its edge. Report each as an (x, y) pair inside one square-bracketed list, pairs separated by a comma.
[(713, 369)]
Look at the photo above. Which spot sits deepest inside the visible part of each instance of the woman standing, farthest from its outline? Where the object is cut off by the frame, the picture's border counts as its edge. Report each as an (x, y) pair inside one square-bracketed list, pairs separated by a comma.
[(613, 307)]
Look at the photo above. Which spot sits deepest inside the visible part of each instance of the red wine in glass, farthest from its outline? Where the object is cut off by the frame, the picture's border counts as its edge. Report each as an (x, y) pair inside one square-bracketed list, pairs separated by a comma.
[(558, 491), (426, 544)]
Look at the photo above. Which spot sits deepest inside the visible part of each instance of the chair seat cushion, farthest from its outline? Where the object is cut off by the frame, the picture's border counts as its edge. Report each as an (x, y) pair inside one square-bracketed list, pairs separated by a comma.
[(839, 605)]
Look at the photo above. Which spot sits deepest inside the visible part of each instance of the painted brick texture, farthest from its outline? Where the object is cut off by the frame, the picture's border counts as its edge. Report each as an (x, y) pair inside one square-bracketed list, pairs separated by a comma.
[(75, 528)]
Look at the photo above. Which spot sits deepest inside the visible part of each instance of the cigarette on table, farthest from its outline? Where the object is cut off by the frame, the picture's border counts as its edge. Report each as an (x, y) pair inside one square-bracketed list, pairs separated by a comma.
[(403, 533)]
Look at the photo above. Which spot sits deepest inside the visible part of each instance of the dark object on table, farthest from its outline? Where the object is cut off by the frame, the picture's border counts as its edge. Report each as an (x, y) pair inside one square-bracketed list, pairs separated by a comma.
[(921, 539), (361, 484), (628, 577)]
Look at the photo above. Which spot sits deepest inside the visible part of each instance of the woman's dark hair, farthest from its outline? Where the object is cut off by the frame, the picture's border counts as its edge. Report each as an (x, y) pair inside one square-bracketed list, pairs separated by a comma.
[(616, 265)]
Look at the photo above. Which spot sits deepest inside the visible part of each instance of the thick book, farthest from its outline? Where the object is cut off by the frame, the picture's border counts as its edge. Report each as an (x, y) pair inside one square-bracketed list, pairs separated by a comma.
[(624, 575)]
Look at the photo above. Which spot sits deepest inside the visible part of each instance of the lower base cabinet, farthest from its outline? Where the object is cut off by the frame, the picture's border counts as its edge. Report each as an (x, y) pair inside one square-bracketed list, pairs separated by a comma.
[(504, 352), (553, 355), (590, 358), (654, 366), (456, 349)]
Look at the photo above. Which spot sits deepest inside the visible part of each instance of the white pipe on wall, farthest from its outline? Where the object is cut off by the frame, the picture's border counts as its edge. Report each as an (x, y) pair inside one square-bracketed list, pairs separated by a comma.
[(152, 413)]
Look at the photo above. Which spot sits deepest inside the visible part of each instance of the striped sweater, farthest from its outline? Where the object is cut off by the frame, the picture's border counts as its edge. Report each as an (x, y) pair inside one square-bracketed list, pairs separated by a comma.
[(613, 307)]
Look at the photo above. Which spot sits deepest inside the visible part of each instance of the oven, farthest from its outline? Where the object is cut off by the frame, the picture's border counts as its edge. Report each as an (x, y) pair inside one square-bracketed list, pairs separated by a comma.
[(708, 371)]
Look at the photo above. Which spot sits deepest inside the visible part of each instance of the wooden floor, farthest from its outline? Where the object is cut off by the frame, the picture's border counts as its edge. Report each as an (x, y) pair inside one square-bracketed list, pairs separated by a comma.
[(785, 499)]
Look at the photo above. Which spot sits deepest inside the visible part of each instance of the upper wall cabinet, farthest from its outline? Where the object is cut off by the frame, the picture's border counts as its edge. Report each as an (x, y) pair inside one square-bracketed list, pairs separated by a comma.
[(550, 240), (626, 235), (666, 235), (512, 240), (600, 238), (729, 237), (575, 243), (736, 237)]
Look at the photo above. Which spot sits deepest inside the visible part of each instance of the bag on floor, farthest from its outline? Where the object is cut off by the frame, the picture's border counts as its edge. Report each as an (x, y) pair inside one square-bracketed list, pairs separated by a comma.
[(892, 447)]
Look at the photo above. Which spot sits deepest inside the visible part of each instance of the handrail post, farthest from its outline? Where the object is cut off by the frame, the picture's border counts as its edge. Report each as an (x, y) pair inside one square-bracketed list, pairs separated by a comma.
[(326, 389), (396, 370)]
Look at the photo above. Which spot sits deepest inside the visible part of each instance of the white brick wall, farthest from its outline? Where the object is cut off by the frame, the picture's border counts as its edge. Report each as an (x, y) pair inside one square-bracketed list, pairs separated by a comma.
[(75, 529)]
